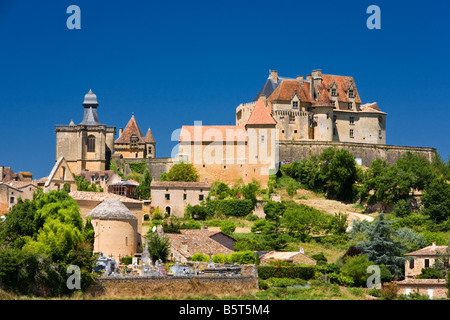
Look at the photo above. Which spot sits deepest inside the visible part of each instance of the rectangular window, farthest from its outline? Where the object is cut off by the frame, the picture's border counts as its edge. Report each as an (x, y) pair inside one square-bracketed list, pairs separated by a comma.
[(333, 92), (291, 119), (350, 93), (184, 196), (200, 197), (379, 134), (334, 131), (333, 103), (350, 105), (352, 120), (351, 133), (295, 104), (167, 195), (411, 264), (262, 139), (92, 178), (334, 118), (103, 178), (11, 200), (427, 263)]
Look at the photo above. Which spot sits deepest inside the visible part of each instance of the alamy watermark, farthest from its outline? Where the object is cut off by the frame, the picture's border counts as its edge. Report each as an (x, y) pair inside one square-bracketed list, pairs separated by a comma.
[(74, 20), (374, 281), (74, 280), (374, 20)]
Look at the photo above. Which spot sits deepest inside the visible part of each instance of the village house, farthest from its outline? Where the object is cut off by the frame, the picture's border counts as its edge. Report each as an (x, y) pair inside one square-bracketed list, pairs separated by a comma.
[(103, 178), (172, 197), (183, 246), (61, 177), (414, 263)]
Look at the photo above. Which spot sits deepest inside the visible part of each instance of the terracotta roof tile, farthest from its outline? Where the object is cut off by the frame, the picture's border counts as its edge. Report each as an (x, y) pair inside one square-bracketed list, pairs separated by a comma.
[(343, 83), (324, 99), (286, 90), (190, 242), (149, 137), (261, 114), (99, 196), (180, 184), (131, 128), (428, 251)]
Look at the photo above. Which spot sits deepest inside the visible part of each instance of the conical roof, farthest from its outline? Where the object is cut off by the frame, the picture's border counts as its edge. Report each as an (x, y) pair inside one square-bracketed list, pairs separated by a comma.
[(260, 114), (149, 137), (111, 209), (131, 128), (90, 105)]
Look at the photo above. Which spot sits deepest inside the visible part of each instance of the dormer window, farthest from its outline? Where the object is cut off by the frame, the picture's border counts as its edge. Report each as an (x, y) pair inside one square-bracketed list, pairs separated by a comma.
[(295, 104), (333, 92), (350, 93), (333, 103), (134, 141), (350, 105)]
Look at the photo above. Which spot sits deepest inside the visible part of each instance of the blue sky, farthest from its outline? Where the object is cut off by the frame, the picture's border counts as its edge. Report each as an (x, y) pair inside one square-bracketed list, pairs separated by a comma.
[(175, 62)]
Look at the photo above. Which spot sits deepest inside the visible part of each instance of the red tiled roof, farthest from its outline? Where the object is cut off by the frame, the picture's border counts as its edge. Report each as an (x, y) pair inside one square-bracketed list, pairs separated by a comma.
[(342, 82), (131, 128), (99, 196), (428, 251), (261, 114), (180, 184), (324, 100), (190, 242), (212, 133), (149, 137), (286, 90)]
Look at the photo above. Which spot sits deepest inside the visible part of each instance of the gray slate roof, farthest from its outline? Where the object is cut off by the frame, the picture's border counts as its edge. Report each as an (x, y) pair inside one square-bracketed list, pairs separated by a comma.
[(111, 209)]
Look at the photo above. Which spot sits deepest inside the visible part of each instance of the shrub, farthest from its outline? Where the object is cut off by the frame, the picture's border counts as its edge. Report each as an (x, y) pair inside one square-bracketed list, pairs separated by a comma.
[(228, 227), (302, 272), (191, 224), (157, 214), (146, 217), (284, 282), (126, 260), (252, 217), (221, 258), (263, 284), (246, 257), (320, 259), (200, 257), (230, 207)]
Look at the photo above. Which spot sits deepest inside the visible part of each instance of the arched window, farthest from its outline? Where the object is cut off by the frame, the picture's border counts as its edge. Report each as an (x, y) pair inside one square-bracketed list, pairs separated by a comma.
[(91, 144)]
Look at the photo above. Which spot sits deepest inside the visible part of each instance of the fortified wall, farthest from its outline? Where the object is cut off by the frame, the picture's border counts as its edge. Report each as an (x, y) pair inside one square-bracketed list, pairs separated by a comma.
[(297, 150)]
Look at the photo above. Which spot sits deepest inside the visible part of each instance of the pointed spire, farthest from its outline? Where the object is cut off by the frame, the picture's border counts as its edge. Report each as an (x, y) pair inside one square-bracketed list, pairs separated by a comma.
[(261, 114), (149, 137), (90, 105)]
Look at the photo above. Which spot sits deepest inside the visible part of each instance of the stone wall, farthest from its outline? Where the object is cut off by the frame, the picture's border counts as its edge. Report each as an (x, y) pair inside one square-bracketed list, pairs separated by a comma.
[(173, 287), (156, 166), (297, 150)]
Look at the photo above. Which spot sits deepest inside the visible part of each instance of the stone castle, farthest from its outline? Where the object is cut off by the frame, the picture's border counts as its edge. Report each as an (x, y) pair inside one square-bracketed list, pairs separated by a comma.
[(289, 119)]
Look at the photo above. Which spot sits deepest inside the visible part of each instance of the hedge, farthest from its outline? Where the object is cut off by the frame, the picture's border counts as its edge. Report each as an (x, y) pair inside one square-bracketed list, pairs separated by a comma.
[(231, 207), (302, 272)]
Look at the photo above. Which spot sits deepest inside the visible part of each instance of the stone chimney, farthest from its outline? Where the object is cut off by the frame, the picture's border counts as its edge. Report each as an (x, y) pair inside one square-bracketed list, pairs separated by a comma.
[(274, 75), (2, 169), (120, 131), (316, 80), (300, 79)]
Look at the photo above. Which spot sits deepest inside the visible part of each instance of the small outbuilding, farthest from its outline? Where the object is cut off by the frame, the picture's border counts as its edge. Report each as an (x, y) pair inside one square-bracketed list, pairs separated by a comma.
[(116, 230)]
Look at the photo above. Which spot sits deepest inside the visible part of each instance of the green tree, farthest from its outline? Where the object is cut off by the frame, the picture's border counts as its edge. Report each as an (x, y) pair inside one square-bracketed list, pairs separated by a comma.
[(183, 172), (382, 248), (274, 212), (436, 200), (84, 185), (143, 190), (356, 268), (228, 227), (158, 246), (249, 192), (302, 221)]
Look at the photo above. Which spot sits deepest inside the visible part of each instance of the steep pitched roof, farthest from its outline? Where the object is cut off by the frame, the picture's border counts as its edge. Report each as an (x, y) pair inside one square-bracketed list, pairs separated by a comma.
[(149, 137), (67, 178), (324, 100), (343, 83), (260, 114), (131, 128), (99, 196), (286, 90)]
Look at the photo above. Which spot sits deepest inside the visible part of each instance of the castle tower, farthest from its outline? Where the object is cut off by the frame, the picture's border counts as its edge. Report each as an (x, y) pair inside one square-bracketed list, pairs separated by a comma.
[(88, 145), (132, 144), (262, 153), (323, 117)]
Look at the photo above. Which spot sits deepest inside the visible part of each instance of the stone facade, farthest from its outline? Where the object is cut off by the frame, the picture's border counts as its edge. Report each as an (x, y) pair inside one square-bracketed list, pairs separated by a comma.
[(172, 197), (60, 177), (423, 258), (132, 144), (434, 288), (321, 107), (88, 145)]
